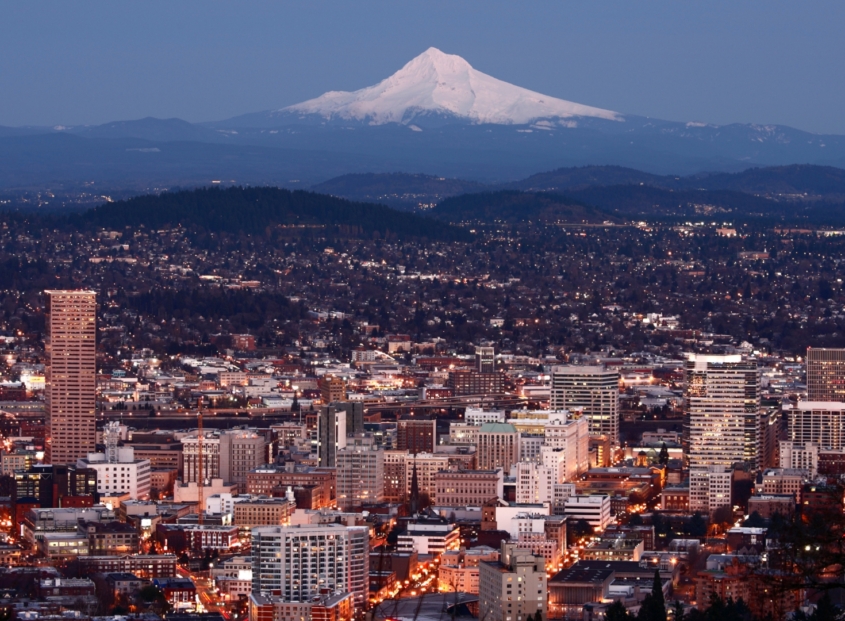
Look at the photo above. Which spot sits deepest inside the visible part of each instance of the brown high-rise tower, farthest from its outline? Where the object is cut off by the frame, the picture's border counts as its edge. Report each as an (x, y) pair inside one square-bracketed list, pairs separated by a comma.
[(825, 374), (71, 375)]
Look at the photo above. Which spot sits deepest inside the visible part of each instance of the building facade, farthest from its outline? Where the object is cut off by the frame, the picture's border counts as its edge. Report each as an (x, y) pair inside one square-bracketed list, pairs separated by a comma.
[(825, 374), (593, 390), (71, 375)]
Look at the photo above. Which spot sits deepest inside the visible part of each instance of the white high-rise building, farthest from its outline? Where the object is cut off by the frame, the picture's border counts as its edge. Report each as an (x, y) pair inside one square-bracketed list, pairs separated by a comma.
[(534, 483), (593, 390), (710, 488), (726, 424), (572, 436), (300, 562), (819, 422)]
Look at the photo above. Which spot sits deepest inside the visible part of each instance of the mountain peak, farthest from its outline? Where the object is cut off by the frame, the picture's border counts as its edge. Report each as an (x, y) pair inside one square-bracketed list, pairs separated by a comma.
[(444, 84)]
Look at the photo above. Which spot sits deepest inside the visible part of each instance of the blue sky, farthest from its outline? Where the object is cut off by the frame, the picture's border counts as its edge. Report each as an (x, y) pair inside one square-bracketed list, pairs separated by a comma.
[(716, 61)]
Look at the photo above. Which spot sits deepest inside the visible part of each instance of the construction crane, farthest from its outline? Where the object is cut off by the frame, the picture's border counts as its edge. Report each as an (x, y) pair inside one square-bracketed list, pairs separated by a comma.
[(200, 471)]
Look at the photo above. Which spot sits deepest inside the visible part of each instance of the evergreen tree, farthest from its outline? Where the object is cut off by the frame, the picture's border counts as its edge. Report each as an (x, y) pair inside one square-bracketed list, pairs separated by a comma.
[(663, 457), (617, 612)]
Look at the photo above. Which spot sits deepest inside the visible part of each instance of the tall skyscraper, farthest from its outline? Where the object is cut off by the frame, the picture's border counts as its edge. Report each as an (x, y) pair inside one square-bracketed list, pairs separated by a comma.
[(825, 374), (71, 375), (726, 424), (592, 389)]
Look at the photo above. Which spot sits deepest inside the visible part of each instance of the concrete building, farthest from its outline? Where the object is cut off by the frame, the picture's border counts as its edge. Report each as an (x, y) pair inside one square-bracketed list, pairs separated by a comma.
[(458, 570), (800, 456), (498, 446), (241, 451), (395, 485), (513, 587), (725, 423), (485, 359), (124, 474), (71, 375), (819, 422), (783, 481), (332, 389), (825, 374), (467, 488), (593, 390), (427, 466), (331, 435), (572, 438), (479, 416), (429, 536), (710, 488), (360, 473), (210, 457), (254, 512), (298, 563), (535, 482), (463, 433), (594, 509)]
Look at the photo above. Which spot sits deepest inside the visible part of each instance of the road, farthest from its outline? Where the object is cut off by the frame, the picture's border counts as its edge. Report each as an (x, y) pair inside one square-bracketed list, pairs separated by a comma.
[(205, 592)]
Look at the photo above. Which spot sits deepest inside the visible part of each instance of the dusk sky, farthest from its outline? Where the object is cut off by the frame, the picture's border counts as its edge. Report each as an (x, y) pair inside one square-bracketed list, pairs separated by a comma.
[(716, 61)]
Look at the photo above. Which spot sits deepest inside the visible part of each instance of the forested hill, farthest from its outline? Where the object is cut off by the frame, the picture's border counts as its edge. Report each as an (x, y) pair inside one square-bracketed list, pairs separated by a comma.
[(260, 210)]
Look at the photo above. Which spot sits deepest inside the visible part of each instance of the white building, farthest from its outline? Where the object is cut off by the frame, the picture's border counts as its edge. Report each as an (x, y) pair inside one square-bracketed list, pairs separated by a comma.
[(508, 515), (594, 390), (572, 437), (478, 416), (726, 423), (535, 483), (710, 488), (300, 562), (820, 422), (429, 537), (801, 456), (594, 509), (124, 474)]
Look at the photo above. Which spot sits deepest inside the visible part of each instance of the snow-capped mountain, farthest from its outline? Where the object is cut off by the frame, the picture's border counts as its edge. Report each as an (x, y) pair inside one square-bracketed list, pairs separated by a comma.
[(435, 83)]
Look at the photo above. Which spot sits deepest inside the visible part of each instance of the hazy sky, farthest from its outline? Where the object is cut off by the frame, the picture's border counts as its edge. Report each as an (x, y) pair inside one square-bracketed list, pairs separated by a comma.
[(717, 61)]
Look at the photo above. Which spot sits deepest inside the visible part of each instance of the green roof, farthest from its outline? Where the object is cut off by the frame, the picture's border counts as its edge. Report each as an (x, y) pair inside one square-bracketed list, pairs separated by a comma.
[(497, 428)]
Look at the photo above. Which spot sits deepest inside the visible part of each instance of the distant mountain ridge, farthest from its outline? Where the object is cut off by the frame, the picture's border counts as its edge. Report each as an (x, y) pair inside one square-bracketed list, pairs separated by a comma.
[(592, 184), (436, 115)]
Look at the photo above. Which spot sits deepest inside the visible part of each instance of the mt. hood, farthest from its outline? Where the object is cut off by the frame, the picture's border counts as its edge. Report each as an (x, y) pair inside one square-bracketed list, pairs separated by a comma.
[(435, 83)]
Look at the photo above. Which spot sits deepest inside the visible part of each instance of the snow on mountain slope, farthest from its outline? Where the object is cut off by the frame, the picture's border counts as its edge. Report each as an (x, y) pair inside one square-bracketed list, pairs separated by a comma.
[(438, 83)]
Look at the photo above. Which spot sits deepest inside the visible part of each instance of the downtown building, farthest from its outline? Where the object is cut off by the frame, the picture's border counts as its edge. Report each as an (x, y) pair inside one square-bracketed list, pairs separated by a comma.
[(726, 425), (301, 562), (71, 375), (360, 473), (825, 374), (593, 390)]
